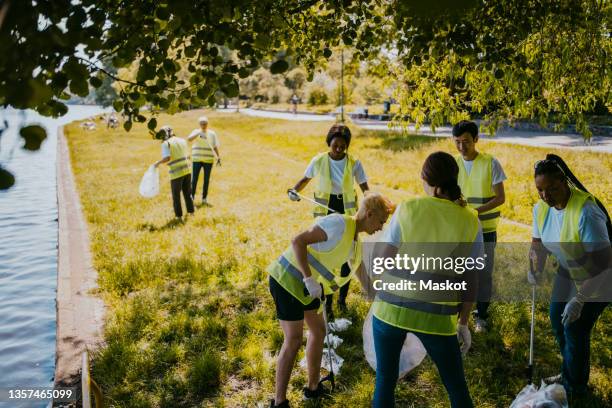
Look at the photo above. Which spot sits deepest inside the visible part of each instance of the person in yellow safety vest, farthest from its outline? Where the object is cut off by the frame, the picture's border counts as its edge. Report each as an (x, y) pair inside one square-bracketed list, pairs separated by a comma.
[(300, 275), (204, 152), (336, 170), (571, 224), (481, 179), (442, 226), (176, 154)]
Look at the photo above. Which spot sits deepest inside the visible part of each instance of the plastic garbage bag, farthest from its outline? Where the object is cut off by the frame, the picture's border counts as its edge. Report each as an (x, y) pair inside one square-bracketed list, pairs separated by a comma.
[(411, 356), (337, 361), (334, 341), (339, 325), (149, 185), (548, 396)]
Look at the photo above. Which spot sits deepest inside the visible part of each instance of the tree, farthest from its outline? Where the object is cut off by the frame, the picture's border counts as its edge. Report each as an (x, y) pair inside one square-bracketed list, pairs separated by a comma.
[(508, 59)]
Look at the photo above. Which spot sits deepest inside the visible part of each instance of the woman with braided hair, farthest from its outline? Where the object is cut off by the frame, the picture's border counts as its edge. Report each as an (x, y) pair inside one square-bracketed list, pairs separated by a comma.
[(572, 225)]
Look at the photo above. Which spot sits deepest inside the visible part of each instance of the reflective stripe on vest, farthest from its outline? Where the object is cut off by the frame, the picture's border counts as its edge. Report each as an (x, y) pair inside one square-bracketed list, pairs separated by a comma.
[(201, 150), (179, 164), (570, 233), (477, 188), (427, 220), (323, 190), (324, 266)]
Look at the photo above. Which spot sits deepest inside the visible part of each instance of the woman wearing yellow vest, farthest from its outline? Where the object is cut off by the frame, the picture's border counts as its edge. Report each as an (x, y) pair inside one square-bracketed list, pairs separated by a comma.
[(299, 276), (175, 152), (204, 152), (440, 225), (336, 170), (571, 224)]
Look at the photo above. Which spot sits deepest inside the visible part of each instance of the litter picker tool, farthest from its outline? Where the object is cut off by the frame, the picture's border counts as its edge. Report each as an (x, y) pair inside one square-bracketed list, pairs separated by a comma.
[(329, 377), (311, 200), (531, 335)]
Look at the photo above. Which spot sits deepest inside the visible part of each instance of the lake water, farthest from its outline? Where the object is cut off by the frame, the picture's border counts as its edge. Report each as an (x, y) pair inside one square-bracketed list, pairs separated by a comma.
[(28, 253)]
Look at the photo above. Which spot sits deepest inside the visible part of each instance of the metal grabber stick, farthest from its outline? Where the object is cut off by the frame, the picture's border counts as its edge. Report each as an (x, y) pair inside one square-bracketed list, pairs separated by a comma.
[(329, 377), (311, 200), (531, 335)]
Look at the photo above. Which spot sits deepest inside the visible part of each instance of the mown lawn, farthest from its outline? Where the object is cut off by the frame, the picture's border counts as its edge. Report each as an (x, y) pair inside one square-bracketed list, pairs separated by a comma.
[(190, 320)]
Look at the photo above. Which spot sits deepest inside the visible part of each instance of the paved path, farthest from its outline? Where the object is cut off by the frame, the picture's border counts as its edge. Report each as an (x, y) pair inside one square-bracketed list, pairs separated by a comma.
[(538, 139), (80, 314)]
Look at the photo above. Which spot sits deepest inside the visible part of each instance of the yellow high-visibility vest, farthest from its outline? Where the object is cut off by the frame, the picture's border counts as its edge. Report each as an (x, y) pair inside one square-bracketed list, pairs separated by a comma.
[(324, 266), (201, 150), (324, 188), (179, 158), (477, 188), (569, 240), (437, 228)]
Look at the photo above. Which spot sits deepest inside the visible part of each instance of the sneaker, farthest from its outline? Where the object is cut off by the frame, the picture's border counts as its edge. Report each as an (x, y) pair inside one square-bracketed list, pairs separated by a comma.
[(204, 201), (284, 404), (553, 379), (320, 392), (480, 325)]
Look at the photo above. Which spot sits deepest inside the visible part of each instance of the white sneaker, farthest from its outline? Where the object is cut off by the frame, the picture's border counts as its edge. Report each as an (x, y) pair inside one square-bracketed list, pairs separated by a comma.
[(480, 325)]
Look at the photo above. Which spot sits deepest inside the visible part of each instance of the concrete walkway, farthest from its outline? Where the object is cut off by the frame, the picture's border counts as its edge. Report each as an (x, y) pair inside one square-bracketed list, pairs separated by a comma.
[(537, 139), (80, 314)]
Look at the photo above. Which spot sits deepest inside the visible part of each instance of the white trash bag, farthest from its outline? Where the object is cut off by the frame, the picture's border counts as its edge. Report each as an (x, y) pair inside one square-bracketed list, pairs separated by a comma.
[(548, 396), (337, 361), (411, 356), (339, 325), (149, 185)]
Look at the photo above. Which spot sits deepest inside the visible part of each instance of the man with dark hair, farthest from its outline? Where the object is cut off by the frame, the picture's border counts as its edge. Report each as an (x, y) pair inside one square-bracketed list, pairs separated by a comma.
[(481, 179)]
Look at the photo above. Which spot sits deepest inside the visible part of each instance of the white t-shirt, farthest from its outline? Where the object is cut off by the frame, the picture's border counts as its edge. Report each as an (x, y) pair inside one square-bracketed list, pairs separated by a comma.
[(497, 173), (591, 227), (333, 225), (337, 173), (212, 136)]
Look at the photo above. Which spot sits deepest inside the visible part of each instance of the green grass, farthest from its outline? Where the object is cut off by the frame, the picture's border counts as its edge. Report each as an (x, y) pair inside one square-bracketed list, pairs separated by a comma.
[(190, 320)]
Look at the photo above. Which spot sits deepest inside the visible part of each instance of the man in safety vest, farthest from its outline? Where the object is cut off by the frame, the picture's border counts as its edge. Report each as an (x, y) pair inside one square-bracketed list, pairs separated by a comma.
[(176, 154), (204, 152), (481, 179)]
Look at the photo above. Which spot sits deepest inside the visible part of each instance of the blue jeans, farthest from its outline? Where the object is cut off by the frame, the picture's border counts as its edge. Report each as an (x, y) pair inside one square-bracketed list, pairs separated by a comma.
[(574, 340), (443, 350)]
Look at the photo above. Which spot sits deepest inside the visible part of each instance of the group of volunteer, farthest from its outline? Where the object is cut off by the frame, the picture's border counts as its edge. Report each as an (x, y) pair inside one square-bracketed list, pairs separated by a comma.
[(461, 204), (183, 175)]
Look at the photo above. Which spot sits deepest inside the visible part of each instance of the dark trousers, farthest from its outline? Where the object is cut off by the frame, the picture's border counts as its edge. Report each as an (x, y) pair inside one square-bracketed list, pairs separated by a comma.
[(337, 204), (177, 185), (443, 350), (574, 340), (485, 275), (196, 174)]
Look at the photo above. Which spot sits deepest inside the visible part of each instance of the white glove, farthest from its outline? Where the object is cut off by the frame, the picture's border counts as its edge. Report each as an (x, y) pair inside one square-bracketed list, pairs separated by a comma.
[(313, 287), (572, 311), (293, 195), (465, 338), (531, 278)]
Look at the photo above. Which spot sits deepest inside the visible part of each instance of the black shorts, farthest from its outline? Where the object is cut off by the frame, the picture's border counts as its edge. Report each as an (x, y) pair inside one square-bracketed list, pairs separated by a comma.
[(288, 307)]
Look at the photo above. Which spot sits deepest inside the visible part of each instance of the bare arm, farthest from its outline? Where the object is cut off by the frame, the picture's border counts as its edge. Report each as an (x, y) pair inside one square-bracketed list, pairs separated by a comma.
[(190, 138), (301, 241), (499, 199), (537, 255), (163, 160), (299, 186)]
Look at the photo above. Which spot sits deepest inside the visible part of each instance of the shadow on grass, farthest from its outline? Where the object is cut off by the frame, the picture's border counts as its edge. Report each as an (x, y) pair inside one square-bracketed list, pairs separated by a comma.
[(398, 141), (171, 224)]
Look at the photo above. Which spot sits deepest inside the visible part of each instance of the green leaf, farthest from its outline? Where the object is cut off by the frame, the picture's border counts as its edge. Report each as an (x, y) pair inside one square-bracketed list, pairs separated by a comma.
[(127, 125), (7, 180), (33, 136), (278, 67), (152, 124), (231, 90), (118, 105), (327, 52), (95, 82), (79, 87)]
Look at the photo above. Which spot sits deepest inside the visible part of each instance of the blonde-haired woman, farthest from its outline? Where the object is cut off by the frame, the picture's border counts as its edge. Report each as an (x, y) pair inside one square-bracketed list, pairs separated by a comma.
[(298, 278)]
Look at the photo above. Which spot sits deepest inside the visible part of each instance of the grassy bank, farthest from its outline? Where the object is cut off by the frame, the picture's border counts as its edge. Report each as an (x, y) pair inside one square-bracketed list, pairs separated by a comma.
[(191, 322)]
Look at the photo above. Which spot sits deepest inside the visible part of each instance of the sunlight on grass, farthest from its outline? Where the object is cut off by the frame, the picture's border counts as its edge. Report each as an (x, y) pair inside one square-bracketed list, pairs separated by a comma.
[(190, 319)]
